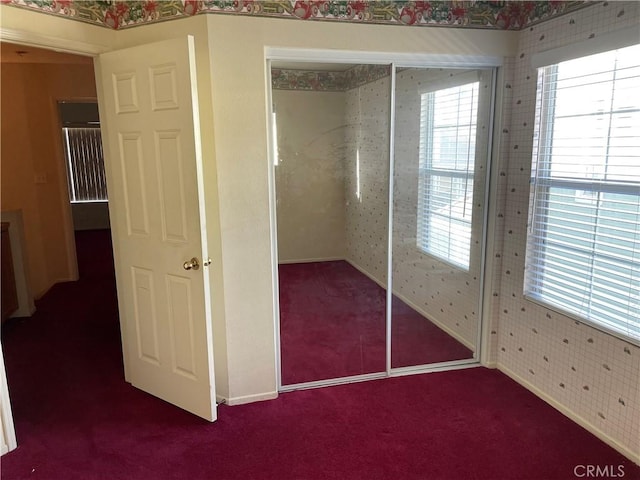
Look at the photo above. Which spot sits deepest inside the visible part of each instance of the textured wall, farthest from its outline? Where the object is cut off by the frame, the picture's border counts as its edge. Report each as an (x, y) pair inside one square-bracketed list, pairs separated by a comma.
[(309, 175), (592, 375)]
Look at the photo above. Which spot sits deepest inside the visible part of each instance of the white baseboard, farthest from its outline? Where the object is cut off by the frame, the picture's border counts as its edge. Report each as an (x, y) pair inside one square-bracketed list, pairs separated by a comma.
[(24, 311), (631, 455), (258, 397)]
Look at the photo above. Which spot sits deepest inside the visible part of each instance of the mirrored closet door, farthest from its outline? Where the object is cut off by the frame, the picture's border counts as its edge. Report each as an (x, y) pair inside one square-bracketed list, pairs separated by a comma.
[(331, 170), (441, 157), (340, 314)]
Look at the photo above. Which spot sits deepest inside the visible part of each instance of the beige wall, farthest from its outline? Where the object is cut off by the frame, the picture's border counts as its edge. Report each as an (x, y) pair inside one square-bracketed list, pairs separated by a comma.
[(33, 171), (309, 177)]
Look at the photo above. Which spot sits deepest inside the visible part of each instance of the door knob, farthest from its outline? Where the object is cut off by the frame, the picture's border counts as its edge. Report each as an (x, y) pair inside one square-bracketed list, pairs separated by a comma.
[(191, 264)]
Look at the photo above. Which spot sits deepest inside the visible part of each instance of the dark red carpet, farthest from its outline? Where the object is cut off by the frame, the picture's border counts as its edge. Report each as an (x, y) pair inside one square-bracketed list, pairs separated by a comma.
[(77, 419), (332, 324)]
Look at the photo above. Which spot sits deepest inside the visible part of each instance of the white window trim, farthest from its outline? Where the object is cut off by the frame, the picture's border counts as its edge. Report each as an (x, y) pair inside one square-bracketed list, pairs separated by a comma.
[(614, 41)]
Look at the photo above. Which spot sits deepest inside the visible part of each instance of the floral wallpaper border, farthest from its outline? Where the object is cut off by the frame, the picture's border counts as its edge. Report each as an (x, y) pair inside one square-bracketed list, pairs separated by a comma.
[(327, 81), (503, 15)]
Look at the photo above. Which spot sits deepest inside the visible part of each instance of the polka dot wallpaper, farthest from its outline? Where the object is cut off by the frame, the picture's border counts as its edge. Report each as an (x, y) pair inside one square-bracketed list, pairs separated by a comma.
[(367, 177), (447, 295), (495, 247), (593, 375)]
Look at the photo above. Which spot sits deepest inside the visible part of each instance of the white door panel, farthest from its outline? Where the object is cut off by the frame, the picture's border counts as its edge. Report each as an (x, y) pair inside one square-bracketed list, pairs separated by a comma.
[(149, 114)]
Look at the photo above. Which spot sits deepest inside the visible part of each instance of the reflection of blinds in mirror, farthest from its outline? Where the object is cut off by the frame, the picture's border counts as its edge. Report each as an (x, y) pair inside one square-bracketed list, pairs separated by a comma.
[(583, 254), (85, 164), (448, 121)]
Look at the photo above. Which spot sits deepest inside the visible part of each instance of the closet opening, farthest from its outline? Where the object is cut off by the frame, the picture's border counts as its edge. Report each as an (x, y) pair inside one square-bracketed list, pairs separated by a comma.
[(379, 177)]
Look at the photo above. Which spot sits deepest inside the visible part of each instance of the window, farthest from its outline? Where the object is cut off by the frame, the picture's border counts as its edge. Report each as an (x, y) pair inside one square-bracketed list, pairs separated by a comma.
[(445, 184), (583, 247), (83, 152), (85, 164)]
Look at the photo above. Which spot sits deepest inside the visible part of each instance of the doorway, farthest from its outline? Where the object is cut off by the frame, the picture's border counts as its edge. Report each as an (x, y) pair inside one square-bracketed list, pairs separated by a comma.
[(182, 350), (35, 79), (380, 176), (34, 154)]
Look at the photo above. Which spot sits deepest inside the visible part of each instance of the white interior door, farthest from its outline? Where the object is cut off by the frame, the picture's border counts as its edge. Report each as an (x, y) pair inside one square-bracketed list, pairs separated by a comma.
[(148, 109)]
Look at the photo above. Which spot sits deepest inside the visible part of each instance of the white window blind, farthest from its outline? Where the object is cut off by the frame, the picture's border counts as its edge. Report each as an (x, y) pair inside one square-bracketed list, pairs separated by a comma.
[(583, 247), (85, 164), (445, 185)]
